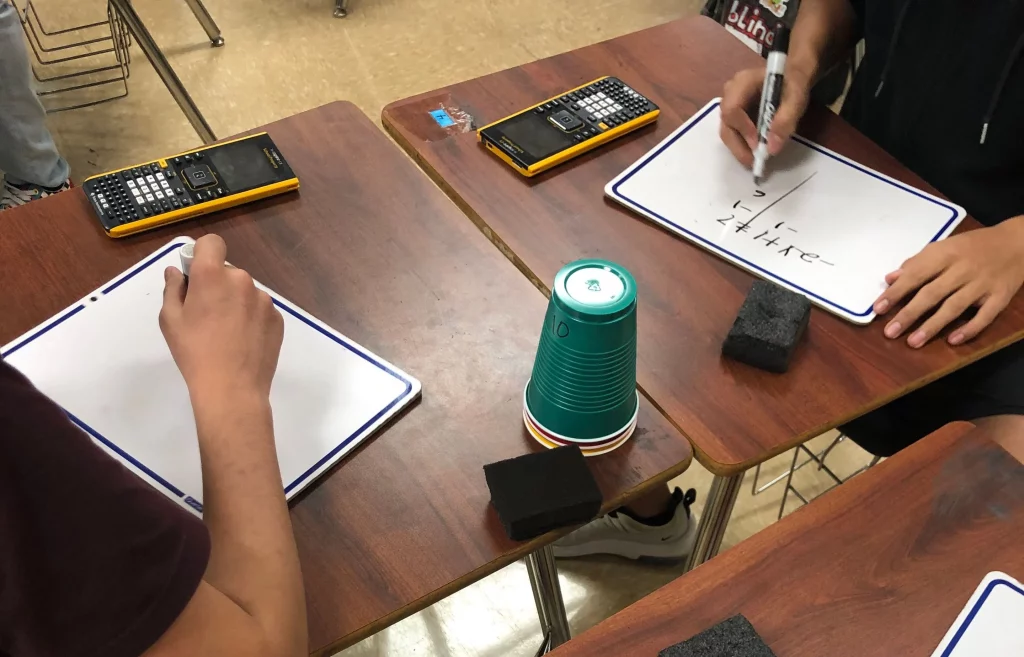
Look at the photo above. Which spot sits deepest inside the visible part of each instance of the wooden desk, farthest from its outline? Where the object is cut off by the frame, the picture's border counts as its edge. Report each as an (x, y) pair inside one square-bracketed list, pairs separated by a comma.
[(735, 416), (880, 566), (372, 248)]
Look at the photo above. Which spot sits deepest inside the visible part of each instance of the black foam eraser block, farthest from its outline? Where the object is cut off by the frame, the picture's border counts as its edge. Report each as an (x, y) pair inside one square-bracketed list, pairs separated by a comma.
[(538, 492), (733, 637), (768, 327)]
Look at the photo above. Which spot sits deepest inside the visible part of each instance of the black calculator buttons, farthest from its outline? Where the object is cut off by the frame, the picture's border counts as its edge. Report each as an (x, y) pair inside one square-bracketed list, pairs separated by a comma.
[(565, 120), (175, 204), (199, 176)]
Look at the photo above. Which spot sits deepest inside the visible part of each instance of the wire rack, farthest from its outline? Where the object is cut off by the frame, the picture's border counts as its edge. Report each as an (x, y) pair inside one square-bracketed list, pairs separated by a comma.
[(72, 64)]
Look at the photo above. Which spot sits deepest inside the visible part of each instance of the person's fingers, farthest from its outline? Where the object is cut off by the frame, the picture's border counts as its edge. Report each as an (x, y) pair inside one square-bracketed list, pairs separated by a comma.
[(989, 310), (951, 308), (926, 298), (174, 297), (240, 279), (738, 99), (737, 145), (209, 254), (912, 275), (882, 303), (795, 96)]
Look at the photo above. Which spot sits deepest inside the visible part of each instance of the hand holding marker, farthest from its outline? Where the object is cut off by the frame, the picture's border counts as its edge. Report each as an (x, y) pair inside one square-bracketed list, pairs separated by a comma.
[(771, 97)]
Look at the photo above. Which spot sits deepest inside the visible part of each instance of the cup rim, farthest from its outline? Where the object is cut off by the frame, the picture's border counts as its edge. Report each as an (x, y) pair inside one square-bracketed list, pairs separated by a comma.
[(586, 452), (560, 441), (526, 407)]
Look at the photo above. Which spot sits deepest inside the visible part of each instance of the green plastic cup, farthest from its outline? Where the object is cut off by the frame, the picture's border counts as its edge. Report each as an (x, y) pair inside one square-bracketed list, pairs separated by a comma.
[(584, 377)]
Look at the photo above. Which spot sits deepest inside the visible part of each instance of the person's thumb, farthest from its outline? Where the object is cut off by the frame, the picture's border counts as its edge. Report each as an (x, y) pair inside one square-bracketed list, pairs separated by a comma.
[(795, 95), (174, 297)]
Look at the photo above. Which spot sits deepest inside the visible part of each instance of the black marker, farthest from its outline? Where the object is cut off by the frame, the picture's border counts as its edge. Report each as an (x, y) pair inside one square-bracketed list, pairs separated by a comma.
[(771, 96)]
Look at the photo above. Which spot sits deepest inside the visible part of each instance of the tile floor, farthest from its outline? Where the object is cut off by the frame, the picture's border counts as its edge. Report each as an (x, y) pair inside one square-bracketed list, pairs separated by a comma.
[(285, 57)]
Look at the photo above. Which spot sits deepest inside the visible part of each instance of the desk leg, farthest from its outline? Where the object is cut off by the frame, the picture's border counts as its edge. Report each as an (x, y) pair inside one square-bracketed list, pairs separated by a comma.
[(163, 69), (547, 594), (206, 20), (717, 510)]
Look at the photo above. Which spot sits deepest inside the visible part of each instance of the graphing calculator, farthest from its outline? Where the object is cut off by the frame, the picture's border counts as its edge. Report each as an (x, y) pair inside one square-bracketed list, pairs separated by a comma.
[(165, 191), (567, 125)]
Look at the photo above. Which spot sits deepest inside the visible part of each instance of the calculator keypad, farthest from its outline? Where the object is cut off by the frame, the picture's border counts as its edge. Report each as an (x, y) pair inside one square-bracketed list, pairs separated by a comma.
[(144, 191), (601, 106)]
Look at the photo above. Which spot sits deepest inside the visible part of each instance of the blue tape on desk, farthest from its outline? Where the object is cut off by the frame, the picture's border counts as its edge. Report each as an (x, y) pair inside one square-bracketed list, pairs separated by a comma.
[(442, 118)]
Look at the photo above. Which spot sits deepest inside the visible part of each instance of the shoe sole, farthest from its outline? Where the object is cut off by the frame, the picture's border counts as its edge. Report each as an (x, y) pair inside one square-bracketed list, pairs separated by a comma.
[(664, 553)]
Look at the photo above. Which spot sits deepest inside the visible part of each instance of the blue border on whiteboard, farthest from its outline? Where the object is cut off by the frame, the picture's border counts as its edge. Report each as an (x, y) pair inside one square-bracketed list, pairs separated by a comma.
[(974, 612), (301, 479), (765, 272)]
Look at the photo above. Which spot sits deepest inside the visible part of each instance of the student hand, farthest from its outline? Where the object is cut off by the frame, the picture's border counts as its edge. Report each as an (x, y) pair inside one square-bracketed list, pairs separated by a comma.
[(740, 101), (982, 268), (224, 334)]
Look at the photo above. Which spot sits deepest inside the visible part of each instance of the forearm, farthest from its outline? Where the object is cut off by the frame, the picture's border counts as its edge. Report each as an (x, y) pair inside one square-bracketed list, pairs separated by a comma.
[(253, 558), (824, 32)]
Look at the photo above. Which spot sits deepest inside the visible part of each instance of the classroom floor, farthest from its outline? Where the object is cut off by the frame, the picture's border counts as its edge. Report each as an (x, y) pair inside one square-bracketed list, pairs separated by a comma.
[(285, 57)]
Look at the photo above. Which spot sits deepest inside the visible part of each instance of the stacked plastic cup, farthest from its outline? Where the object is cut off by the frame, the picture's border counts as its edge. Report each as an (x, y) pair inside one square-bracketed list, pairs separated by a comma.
[(583, 387)]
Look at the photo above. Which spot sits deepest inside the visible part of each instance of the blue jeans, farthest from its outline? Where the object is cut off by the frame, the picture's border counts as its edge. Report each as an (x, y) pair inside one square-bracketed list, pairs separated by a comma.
[(27, 151)]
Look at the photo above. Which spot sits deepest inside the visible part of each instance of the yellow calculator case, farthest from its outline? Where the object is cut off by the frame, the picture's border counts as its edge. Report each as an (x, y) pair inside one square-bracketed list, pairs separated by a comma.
[(567, 125), (173, 189)]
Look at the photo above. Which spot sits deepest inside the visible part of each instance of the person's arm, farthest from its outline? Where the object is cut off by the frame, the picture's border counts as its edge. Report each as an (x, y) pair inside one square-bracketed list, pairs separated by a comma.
[(225, 336), (824, 32)]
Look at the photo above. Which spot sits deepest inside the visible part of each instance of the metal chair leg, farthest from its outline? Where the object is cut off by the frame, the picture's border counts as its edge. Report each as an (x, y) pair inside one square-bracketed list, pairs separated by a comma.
[(170, 79), (204, 18), (340, 8), (547, 595), (789, 484)]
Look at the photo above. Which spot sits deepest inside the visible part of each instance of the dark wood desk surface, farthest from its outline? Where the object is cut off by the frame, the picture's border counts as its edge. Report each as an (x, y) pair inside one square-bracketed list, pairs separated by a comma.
[(880, 566), (371, 247), (736, 416)]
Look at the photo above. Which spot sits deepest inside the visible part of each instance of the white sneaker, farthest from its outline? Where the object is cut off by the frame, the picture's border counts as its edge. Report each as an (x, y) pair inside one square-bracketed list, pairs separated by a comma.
[(620, 534), (11, 195)]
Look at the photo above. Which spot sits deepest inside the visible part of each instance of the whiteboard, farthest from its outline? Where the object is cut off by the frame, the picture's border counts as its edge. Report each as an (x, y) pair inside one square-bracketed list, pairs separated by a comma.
[(819, 224), (105, 362), (991, 623)]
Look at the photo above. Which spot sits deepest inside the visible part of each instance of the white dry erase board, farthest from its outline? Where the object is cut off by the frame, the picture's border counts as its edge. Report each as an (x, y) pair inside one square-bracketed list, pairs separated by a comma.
[(992, 623), (819, 224), (105, 362)]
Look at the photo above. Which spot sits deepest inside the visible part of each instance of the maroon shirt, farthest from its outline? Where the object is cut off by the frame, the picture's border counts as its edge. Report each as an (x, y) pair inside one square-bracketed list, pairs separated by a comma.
[(93, 561)]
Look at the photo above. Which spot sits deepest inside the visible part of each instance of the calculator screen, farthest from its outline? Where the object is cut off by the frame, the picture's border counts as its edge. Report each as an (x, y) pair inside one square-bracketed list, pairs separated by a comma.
[(532, 133), (243, 165)]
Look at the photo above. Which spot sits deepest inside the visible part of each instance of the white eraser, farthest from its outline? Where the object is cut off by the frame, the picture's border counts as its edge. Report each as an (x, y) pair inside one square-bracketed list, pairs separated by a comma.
[(186, 252)]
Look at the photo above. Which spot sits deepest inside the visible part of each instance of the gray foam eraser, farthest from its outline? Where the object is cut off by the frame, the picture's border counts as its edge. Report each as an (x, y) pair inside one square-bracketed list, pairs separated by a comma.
[(733, 637), (768, 327)]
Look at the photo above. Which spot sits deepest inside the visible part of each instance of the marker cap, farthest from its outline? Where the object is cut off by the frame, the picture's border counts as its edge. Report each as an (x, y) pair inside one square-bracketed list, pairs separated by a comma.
[(186, 252), (781, 41)]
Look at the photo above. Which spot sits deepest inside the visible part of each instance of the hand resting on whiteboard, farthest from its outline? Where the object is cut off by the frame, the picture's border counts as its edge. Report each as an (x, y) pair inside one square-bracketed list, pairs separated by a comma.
[(225, 334), (981, 268)]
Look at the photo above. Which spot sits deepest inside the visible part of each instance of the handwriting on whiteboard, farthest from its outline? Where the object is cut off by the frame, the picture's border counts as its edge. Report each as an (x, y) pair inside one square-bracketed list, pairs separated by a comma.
[(741, 220)]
